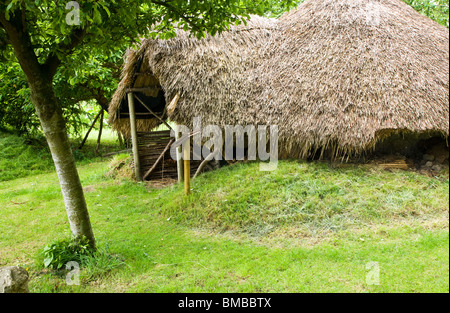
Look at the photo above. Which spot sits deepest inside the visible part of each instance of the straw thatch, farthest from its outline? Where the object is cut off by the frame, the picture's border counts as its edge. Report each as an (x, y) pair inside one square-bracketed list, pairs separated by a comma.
[(335, 75)]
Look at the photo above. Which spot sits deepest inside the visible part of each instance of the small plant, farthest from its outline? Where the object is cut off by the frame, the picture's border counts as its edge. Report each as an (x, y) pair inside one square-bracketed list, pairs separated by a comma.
[(59, 252), (94, 264)]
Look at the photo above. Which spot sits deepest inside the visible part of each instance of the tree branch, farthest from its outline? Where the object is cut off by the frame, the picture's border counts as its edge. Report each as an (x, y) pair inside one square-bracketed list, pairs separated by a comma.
[(96, 93), (20, 39), (4, 40), (173, 9), (16, 29), (53, 61)]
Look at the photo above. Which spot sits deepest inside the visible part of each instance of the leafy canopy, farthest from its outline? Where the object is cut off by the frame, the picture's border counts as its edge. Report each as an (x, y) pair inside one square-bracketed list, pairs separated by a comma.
[(107, 25), (85, 41)]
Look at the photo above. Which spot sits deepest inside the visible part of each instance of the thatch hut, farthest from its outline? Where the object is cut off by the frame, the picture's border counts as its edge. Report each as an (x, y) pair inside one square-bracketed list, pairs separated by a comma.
[(336, 76)]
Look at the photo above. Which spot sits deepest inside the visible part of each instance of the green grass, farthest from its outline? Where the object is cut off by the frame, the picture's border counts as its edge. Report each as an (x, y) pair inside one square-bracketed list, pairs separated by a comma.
[(303, 197), (307, 227), (17, 159), (21, 158)]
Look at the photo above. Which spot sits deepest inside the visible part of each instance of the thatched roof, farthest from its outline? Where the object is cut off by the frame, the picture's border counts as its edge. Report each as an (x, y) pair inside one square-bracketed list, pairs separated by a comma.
[(337, 74)]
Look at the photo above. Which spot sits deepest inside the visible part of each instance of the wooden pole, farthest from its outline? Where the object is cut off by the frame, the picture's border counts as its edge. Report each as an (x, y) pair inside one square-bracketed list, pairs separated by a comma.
[(179, 156), (137, 164), (187, 167), (89, 131), (100, 132), (204, 163), (153, 113), (119, 135)]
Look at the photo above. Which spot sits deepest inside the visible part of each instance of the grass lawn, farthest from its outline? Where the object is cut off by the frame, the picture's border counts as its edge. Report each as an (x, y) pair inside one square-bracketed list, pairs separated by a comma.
[(307, 227), (21, 158)]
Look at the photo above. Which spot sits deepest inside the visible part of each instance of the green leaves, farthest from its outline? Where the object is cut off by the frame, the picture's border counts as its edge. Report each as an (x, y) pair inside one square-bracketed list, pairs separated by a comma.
[(116, 24), (9, 7), (59, 252), (437, 10)]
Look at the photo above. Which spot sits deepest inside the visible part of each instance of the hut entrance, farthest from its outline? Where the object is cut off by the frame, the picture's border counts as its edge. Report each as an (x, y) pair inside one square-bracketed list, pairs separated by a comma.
[(426, 152), (145, 107), (140, 112), (150, 99), (155, 159), (150, 103)]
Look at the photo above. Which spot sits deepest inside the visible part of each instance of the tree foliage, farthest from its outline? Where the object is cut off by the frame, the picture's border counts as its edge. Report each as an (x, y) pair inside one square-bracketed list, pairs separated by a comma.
[(17, 112), (92, 71), (437, 10)]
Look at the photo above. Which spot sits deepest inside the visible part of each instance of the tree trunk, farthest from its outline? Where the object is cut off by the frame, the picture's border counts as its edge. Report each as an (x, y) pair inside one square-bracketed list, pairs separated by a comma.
[(54, 127), (40, 77)]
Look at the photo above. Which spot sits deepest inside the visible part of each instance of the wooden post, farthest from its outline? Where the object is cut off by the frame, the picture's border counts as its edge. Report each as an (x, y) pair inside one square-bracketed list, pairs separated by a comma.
[(89, 131), (100, 132), (119, 135), (187, 167), (179, 156), (153, 113), (137, 165)]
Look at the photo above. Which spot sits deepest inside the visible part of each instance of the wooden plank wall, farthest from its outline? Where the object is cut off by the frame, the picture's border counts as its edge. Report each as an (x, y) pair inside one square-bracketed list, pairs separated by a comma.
[(150, 146)]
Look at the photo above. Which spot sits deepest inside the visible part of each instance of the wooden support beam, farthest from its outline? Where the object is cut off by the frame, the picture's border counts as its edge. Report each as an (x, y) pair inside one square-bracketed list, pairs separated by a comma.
[(187, 168), (159, 118), (180, 141), (204, 163), (100, 132), (89, 131), (173, 104), (143, 89), (137, 166), (119, 136), (179, 154), (137, 114)]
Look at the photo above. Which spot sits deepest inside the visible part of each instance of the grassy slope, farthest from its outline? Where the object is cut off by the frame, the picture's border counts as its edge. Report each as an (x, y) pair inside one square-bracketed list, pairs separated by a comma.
[(20, 160), (304, 198), (307, 227)]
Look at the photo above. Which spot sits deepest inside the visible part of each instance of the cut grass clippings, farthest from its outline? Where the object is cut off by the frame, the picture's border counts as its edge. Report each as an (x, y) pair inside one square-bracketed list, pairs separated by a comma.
[(308, 198)]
